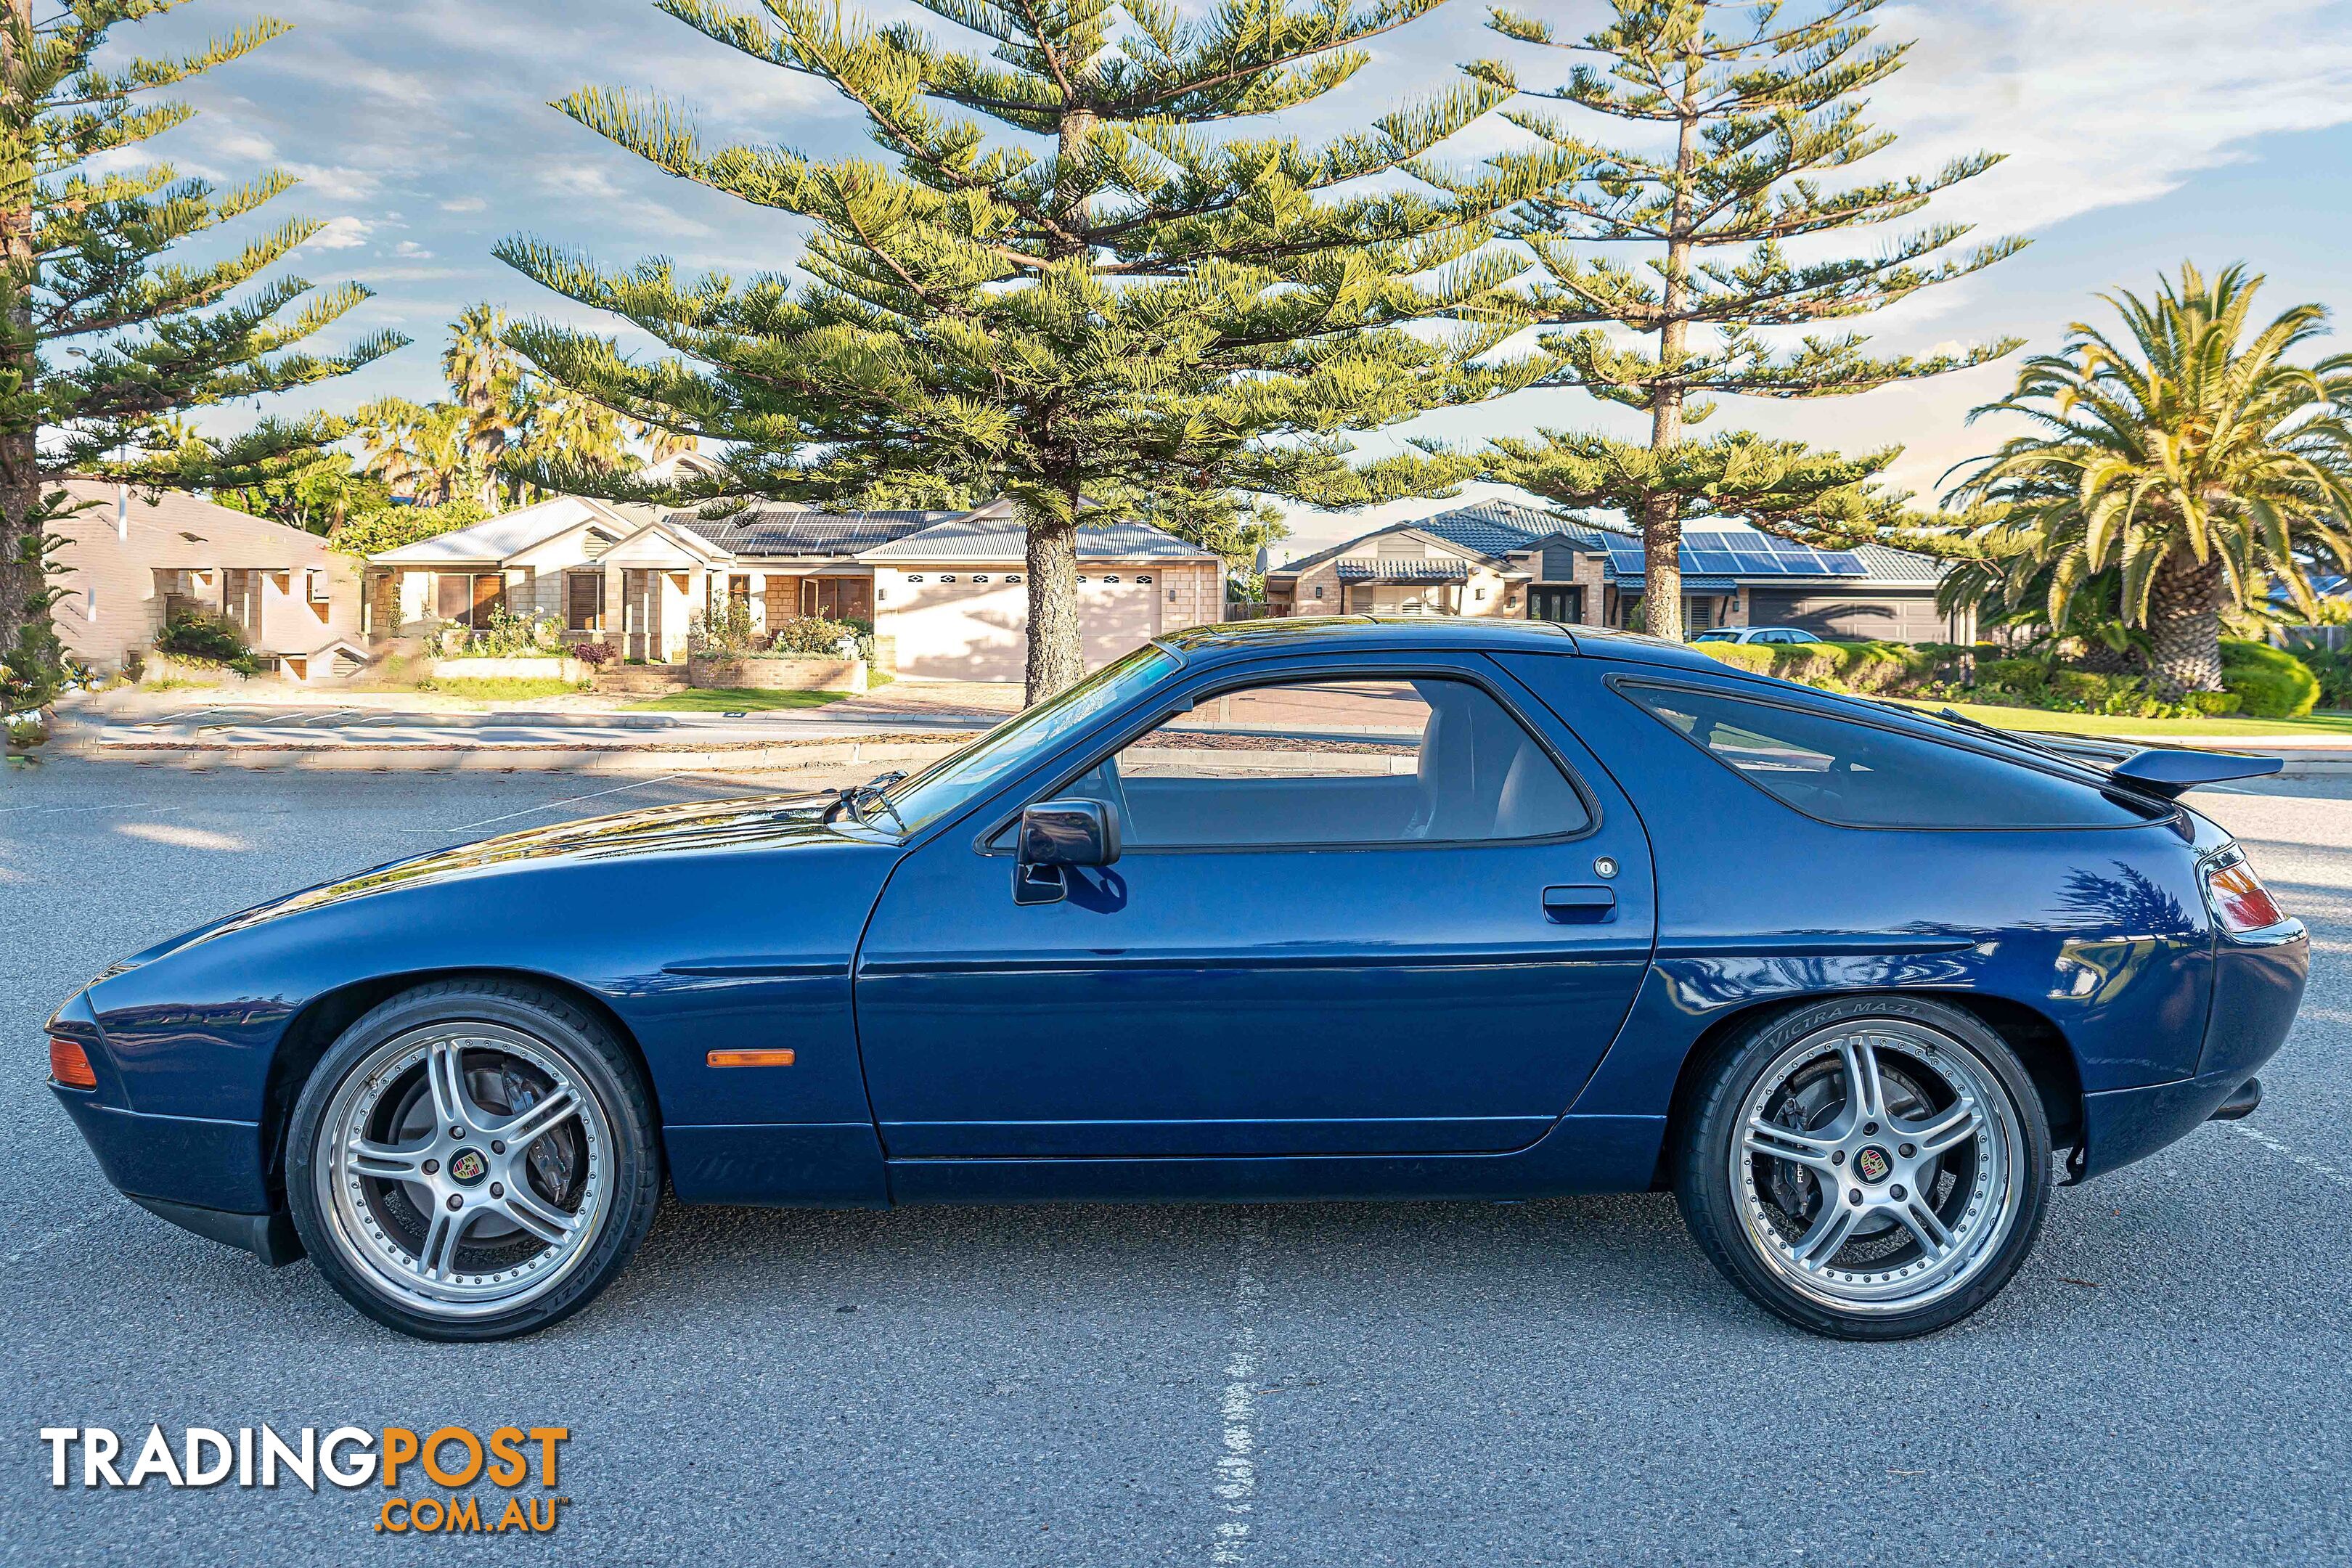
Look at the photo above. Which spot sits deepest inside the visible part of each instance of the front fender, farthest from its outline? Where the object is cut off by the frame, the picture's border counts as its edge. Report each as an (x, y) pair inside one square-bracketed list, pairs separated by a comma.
[(741, 946)]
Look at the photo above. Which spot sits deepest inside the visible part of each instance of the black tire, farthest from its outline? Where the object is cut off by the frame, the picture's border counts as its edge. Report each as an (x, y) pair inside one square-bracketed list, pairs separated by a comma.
[(1729, 1224), (623, 1152)]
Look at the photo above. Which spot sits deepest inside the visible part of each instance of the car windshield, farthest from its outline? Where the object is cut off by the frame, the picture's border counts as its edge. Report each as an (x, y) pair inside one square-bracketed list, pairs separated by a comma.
[(1014, 744)]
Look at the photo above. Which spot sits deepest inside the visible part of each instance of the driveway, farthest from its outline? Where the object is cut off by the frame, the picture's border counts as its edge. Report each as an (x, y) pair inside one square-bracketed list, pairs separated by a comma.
[(2169, 1381)]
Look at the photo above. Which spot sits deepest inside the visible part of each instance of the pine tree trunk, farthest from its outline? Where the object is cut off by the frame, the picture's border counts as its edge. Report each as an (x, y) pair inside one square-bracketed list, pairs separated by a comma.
[(1056, 658), (24, 601), (2184, 624), (1661, 526)]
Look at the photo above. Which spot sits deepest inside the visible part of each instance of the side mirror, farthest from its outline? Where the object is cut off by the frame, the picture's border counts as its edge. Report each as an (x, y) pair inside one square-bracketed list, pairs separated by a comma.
[(1056, 834)]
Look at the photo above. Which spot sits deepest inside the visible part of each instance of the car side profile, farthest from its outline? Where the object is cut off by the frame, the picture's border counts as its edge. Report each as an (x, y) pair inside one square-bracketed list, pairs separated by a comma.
[(1335, 909), (1776, 636)]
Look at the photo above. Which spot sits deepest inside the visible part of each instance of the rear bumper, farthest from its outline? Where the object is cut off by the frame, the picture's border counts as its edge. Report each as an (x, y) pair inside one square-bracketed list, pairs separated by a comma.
[(2126, 1124), (175, 1161)]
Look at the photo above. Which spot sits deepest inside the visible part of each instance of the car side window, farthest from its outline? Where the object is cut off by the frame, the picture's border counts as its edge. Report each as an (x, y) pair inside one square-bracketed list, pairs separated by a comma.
[(1336, 761), (1859, 775)]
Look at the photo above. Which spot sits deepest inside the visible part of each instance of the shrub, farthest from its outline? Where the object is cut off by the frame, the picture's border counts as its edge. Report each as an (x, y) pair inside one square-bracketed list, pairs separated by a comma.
[(592, 653), (814, 634), (1876, 668), (2332, 667), (216, 639), (2270, 682), (723, 631)]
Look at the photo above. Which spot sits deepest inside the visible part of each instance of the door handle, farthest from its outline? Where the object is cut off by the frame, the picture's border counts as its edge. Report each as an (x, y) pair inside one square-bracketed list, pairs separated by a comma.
[(1578, 905)]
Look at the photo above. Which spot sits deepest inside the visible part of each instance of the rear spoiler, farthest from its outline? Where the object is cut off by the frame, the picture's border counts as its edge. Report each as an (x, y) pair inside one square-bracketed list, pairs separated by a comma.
[(2158, 772)]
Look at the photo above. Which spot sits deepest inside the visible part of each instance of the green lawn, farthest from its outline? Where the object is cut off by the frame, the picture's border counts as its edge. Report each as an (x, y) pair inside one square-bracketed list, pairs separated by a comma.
[(497, 688), (2319, 726), (734, 699)]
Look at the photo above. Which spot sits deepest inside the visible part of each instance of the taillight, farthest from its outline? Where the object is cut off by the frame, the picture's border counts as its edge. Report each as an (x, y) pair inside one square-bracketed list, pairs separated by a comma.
[(69, 1066), (2240, 900)]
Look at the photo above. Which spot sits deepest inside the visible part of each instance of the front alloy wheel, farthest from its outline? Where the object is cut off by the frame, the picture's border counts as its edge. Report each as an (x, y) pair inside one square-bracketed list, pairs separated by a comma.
[(1873, 1168), (472, 1162)]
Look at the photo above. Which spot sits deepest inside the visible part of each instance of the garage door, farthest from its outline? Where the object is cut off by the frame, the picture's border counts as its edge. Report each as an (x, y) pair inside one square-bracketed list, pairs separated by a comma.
[(1846, 617), (965, 625), (1118, 610)]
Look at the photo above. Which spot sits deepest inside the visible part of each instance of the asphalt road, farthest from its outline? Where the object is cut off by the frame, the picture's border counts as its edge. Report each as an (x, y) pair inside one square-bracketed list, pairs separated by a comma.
[(2169, 1380)]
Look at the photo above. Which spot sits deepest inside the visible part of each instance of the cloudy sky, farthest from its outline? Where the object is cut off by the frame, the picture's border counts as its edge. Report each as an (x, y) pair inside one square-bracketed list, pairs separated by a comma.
[(2139, 133)]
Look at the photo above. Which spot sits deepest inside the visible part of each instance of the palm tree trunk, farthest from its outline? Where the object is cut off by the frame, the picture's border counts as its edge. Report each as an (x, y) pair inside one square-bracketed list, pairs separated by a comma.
[(2184, 623)]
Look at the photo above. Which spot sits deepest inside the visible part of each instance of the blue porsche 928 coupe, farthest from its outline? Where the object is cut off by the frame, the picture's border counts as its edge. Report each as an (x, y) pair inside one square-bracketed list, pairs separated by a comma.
[(1309, 909)]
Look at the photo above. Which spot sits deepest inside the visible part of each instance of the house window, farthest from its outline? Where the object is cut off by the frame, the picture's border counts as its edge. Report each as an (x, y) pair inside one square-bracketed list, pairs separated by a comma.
[(841, 598), (1399, 761), (739, 591), (583, 601), (469, 599), (1143, 578)]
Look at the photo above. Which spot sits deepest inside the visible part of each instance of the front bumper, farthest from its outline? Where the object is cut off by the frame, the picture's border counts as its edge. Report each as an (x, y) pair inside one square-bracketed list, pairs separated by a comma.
[(204, 1175)]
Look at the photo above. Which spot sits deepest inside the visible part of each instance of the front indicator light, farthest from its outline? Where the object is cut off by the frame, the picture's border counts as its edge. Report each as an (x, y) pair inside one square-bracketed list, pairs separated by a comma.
[(749, 1058), (69, 1065), (2239, 897)]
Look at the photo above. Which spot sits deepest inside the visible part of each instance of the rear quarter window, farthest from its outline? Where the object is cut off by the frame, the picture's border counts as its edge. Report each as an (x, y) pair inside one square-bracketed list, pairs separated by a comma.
[(1860, 776)]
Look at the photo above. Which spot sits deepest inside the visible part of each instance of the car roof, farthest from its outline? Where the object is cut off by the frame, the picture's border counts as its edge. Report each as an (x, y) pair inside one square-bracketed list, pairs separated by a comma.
[(1364, 634)]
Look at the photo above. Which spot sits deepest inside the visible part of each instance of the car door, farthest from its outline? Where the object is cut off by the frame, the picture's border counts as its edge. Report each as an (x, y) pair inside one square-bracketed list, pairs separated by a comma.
[(1371, 909)]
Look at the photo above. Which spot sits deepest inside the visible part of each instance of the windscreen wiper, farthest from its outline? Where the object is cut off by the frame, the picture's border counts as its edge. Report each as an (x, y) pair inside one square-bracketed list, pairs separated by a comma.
[(852, 798)]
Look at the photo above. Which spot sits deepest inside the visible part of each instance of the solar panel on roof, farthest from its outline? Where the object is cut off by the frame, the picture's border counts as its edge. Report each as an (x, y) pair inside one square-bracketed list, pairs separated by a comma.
[(1842, 563), (1718, 562), (1756, 563)]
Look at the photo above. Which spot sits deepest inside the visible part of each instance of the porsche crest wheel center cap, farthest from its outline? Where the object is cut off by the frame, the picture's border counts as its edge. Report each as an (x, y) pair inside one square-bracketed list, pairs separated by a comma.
[(468, 1168), (1872, 1164)]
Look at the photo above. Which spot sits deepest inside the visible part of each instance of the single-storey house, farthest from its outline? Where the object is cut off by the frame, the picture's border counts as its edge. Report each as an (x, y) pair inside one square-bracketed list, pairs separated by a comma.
[(131, 559), (1504, 560), (948, 590)]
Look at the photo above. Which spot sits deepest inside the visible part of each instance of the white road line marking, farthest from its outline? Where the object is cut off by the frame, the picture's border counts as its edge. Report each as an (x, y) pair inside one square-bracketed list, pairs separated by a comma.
[(1236, 1484), (551, 806), (2317, 1167)]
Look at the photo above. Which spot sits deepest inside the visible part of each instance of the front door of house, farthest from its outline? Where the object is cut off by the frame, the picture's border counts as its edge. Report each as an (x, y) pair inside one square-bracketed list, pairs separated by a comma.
[(641, 629), (1555, 602)]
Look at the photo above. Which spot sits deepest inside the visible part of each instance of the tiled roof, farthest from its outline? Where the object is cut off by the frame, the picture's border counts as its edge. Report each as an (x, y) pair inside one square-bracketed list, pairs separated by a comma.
[(1404, 571), (796, 531), (994, 537), (1716, 554), (1492, 528)]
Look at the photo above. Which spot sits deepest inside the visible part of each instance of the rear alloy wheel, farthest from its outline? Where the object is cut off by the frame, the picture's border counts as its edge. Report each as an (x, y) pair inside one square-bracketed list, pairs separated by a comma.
[(1871, 1168), (472, 1162)]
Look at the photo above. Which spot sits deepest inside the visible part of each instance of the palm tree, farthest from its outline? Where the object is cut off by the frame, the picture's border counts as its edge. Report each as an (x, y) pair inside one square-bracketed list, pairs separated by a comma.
[(488, 384), (2202, 467), (418, 450)]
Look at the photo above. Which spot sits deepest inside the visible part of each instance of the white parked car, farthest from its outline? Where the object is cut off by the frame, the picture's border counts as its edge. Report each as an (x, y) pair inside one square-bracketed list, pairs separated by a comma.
[(1756, 634)]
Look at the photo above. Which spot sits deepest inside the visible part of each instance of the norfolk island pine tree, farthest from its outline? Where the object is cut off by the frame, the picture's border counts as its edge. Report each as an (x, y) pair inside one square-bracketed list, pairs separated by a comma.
[(104, 345), (1749, 107), (1113, 302)]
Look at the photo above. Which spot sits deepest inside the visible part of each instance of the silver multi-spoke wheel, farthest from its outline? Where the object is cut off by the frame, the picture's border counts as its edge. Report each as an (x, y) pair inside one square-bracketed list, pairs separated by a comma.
[(1877, 1166), (464, 1168)]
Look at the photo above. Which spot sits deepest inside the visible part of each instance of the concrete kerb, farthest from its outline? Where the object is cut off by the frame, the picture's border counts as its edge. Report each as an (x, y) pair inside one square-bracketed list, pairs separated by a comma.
[(781, 756)]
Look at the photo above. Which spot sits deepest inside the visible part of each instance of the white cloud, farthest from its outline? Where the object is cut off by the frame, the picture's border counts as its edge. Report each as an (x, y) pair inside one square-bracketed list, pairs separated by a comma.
[(2105, 103), (410, 248), (343, 234), (463, 204)]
